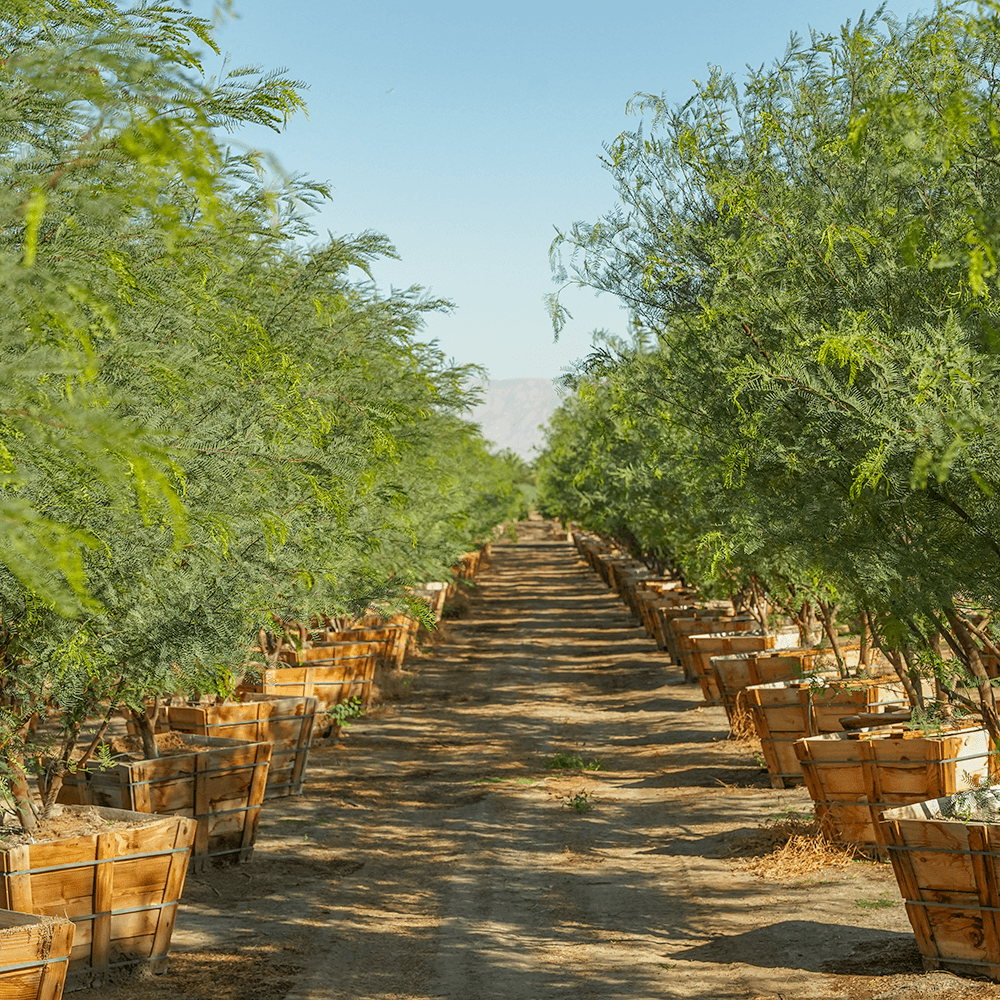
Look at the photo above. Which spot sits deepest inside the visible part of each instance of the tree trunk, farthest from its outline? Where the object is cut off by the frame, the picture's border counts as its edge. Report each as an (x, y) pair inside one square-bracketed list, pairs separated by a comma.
[(827, 613), (987, 701), (146, 725), (20, 790)]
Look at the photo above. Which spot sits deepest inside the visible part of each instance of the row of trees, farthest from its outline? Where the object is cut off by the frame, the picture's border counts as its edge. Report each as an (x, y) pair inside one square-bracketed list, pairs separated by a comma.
[(808, 406), (203, 424)]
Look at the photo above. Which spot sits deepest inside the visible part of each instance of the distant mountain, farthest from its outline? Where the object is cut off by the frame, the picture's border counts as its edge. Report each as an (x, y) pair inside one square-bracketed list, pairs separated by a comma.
[(512, 410)]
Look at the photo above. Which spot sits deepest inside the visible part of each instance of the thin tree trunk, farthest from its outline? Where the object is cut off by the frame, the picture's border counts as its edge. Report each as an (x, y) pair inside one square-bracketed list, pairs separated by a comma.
[(865, 656), (827, 612), (987, 701), (20, 790), (912, 693), (146, 725)]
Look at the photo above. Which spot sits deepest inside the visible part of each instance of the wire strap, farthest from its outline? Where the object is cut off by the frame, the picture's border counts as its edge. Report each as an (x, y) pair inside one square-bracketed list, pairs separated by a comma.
[(100, 861)]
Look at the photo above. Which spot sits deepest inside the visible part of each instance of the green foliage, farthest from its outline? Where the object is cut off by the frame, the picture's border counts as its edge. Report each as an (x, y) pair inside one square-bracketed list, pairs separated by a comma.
[(342, 713), (203, 425), (881, 903), (581, 802), (573, 762), (808, 404)]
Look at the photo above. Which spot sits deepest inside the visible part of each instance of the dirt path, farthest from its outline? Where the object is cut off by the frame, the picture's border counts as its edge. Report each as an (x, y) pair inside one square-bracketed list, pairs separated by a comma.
[(436, 856)]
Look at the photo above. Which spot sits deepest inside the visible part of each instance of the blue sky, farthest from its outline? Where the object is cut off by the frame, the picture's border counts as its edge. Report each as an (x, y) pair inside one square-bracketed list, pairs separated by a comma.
[(467, 132)]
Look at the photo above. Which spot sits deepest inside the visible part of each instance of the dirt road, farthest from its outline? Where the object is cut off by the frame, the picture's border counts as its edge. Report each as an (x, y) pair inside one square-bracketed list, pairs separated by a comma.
[(435, 855)]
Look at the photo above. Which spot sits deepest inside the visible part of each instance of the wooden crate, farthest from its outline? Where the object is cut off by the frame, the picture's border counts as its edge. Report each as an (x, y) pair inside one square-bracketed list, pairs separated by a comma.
[(734, 672), (383, 639), (853, 777), (332, 672), (120, 888), (468, 565), (710, 620), (657, 588), (606, 563), (221, 787), (286, 723), (948, 873), (34, 956), (702, 647), (651, 595), (660, 612), (402, 628), (786, 711)]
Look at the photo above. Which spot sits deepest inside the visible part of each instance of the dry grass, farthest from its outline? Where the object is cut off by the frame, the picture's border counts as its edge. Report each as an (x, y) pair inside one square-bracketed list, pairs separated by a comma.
[(788, 848), (391, 684), (741, 728)]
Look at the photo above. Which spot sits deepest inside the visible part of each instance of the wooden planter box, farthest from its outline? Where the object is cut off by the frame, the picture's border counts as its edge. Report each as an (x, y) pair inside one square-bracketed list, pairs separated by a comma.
[(400, 629), (331, 672), (854, 777), (648, 599), (734, 672), (34, 956), (222, 788), (606, 563), (391, 635), (383, 639), (786, 711), (120, 888), (704, 646), (948, 873), (658, 615), (680, 631), (648, 592), (285, 723)]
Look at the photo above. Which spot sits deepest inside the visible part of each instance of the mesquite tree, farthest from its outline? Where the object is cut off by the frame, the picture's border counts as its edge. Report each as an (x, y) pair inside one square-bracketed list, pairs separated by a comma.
[(808, 258), (204, 425)]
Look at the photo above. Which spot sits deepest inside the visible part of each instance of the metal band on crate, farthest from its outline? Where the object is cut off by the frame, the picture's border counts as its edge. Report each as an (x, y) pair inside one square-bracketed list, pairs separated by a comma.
[(118, 913), (939, 850), (186, 775), (894, 763), (319, 683), (32, 965), (226, 812), (100, 861), (957, 906), (250, 722)]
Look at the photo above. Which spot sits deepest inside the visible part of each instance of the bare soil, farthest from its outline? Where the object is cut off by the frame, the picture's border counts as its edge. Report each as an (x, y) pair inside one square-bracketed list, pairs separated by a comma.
[(435, 855)]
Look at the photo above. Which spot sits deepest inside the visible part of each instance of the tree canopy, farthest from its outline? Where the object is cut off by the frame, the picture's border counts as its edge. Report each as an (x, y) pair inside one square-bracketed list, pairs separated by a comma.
[(809, 400), (209, 416)]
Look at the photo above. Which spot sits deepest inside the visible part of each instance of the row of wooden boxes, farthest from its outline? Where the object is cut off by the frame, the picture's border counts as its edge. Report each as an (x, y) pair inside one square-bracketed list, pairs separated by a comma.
[(84, 908), (878, 784), (79, 910)]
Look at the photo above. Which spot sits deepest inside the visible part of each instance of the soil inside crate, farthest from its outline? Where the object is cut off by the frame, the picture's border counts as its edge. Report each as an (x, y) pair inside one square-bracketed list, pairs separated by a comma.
[(169, 744), (80, 821)]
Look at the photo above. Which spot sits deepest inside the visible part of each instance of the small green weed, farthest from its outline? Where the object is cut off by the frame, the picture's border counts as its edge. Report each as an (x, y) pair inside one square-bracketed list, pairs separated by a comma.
[(582, 802), (341, 713), (874, 904), (796, 815), (573, 762)]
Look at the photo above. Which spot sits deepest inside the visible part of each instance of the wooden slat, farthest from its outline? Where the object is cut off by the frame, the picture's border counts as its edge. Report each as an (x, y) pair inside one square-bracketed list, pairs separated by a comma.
[(53, 977), (18, 892), (103, 900)]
